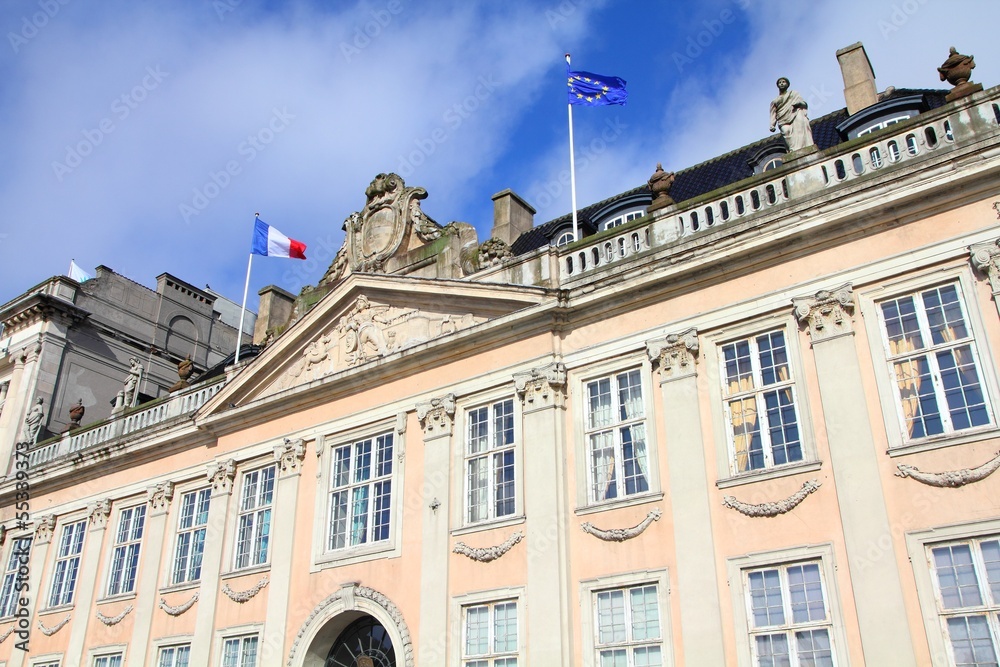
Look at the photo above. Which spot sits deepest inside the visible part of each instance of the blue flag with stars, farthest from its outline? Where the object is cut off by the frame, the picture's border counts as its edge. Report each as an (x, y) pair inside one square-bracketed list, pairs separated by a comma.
[(594, 90)]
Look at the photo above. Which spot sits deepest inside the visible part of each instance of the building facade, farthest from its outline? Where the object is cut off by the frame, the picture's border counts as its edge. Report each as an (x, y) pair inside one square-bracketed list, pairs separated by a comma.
[(757, 425)]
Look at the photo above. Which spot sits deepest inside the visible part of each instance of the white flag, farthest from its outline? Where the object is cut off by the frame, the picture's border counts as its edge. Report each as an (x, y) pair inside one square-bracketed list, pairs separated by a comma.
[(78, 274)]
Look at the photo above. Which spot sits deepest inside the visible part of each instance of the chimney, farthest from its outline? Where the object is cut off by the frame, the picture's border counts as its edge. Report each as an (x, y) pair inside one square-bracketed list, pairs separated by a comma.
[(512, 216), (859, 78), (274, 310)]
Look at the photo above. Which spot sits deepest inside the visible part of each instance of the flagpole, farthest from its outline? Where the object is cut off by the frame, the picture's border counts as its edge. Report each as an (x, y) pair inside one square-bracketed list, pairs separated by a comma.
[(243, 309), (572, 162)]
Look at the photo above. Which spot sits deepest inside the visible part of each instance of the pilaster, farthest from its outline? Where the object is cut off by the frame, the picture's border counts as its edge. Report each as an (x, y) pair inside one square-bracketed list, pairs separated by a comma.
[(885, 633), (88, 581), (18, 395), (158, 499), (675, 360), (44, 529)]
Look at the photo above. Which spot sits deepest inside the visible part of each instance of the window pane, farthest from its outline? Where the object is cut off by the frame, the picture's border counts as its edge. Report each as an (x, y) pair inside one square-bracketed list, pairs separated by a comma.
[(991, 557), (599, 405), (477, 630), (772, 651), (806, 593), (971, 642), (765, 598), (813, 648), (956, 576), (610, 617), (505, 628), (645, 613), (966, 403)]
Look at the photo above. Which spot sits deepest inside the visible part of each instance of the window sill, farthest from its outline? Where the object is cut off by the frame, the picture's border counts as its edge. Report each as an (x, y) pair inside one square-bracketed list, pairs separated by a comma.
[(942, 441), (358, 554), (488, 525), (628, 501), (178, 588), (256, 569), (769, 473), (56, 610), (117, 598)]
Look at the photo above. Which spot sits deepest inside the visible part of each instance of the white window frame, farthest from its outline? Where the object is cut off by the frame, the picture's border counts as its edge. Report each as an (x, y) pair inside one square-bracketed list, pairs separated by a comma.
[(171, 645), (491, 451), (82, 525), (715, 376), (459, 605), (326, 445), (589, 590), (492, 654), (125, 551), (870, 303), (239, 635), (622, 218), (12, 586), (918, 545), (51, 660), (104, 658), (565, 238), (378, 453), (737, 571), (192, 531), (258, 509)]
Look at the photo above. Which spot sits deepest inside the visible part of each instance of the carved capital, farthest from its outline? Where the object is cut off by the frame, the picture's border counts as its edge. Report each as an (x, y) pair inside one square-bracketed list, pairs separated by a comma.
[(289, 455), (220, 474), (159, 496), (98, 512), (676, 355), (44, 529), (542, 387), (828, 314), (986, 258), (437, 416)]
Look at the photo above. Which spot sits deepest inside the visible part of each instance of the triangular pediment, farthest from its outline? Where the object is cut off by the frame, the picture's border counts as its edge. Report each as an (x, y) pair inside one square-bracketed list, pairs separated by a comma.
[(366, 318)]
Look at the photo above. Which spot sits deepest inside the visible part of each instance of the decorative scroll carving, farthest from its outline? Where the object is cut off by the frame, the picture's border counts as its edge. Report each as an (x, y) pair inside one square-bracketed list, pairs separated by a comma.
[(114, 620), (99, 512), (951, 478), (541, 385), (246, 595), (346, 596), (9, 632), (986, 258), (487, 554), (159, 496), (622, 534), (181, 608), (675, 356), (828, 313), (438, 415), (289, 455), (43, 531), (220, 474), (48, 632), (772, 509)]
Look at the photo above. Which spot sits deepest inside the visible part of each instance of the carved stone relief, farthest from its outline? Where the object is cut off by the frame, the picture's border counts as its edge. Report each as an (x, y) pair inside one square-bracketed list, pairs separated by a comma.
[(986, 258), (676, 355), (772, 509), (245, 596), (289, 455), (951, 478), (44, 528), (622, 534), (99, 512), (540, 387), (159, 496), (437, 416), (487, 554), (220, 474), (828, 313), (179, 609), (114, 620)]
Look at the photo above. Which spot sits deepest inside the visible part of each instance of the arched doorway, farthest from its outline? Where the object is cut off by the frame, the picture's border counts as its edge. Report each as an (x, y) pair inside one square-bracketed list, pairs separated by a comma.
[(364, 643)]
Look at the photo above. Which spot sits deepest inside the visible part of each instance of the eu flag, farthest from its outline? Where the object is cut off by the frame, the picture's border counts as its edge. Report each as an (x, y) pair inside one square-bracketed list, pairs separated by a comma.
[(594, 90)]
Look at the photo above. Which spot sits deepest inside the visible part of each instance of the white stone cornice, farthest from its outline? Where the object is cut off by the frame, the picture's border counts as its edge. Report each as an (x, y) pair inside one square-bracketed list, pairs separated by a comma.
[(437, 416), (676, 355), (542, 387), (99, 512), (220, 474), (828, 313), (986, 258), (289, 455), (159, 497)]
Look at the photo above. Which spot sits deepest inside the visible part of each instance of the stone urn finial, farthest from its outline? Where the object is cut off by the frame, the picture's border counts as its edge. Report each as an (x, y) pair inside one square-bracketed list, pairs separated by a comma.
[(957, 70), (76, 415), (659, 184), (185, 367)]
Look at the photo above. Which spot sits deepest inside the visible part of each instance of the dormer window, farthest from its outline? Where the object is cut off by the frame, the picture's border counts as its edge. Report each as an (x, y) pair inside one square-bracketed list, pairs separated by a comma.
[(773, 163), (622, 219), (767, 158), (884, 124)]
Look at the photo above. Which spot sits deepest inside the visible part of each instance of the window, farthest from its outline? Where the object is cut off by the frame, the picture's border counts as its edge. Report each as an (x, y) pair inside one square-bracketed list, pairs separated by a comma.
[(881, 125), (14, 576), (967, 584), (489, 462), (112, 660), (174, 656), (773, 163), (240, 652), (254, 527), (760, 404), (616, 436), (360, 492), (789, 619), (191, 536), (490, 635), (67, 564), (125, 557), (932, 358), (564, 239), (627, 622)]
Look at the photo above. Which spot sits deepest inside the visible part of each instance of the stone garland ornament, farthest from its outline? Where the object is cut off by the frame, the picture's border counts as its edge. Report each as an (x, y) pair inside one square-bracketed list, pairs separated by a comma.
[(493, 252), (48, 632), (179, 609), (114, 620), (952, 478), (770, 510), (10, 631), (487, 554), (247, 595), (349, 593), (622, 534)]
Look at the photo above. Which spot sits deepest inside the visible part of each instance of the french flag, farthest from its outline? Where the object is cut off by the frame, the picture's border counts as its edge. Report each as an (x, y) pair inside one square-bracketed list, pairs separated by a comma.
[(269, 242)]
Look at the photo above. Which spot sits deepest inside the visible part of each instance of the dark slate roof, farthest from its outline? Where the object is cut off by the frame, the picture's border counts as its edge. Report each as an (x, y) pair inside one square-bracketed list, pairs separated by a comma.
[(717, 172)]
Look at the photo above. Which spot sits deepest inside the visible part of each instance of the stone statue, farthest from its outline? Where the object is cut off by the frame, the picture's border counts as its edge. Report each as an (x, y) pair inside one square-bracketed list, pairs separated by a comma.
[(33, 422), (76, 415), (659, 185), (132, 383), (788, 114), (957, 70)]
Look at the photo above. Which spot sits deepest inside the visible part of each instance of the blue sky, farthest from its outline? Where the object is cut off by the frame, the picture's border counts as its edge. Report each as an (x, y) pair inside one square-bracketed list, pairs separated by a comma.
[(144, 136)]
